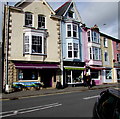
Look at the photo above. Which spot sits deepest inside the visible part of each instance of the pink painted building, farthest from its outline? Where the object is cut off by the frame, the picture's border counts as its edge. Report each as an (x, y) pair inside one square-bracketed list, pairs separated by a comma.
[(116, 60), (92, 53)]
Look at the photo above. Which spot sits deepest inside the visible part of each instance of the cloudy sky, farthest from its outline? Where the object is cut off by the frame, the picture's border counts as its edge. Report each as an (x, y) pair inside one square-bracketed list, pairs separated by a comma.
[(104, 14)]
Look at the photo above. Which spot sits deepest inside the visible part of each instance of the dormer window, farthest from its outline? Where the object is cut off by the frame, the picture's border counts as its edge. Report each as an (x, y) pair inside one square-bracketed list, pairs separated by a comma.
[(41, 21), (28, 19), (70, 14)]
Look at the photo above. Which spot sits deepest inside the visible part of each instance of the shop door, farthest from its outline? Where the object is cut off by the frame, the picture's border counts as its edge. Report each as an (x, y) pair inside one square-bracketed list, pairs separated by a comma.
[(47, 78)]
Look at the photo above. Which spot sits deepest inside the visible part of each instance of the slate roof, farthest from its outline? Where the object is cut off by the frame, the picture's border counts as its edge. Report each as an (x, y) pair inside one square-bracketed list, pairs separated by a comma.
[(61, 10)]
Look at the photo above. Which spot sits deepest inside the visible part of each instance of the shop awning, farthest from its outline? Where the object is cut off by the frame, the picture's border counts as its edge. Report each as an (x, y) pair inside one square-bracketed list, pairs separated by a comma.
[(74, 68), (97, 68), (36, 66)]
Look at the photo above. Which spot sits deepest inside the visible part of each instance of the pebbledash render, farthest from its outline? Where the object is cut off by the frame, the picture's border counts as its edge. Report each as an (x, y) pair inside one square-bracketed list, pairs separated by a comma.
[(31, 44)]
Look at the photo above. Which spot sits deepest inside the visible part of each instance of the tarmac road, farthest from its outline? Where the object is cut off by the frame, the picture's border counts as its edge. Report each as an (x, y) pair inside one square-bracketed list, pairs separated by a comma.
[(74, 104)]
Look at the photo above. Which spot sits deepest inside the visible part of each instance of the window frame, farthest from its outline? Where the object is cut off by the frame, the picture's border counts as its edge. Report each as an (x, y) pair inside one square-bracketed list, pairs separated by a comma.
[(43, 39), (73, 50), (71, 30), (106, 56), (41, 22), (28, 20)]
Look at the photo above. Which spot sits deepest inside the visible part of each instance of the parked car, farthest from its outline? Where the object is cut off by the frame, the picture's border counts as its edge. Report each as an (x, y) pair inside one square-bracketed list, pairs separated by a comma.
[(107, 105)]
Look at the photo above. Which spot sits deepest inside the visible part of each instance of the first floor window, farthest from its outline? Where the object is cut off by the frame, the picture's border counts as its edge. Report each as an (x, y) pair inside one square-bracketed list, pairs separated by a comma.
[(108, 74), (106, 56), (36, 44), (95, 53), (69, 50), (75, 45), (26, 44), (73, 50)]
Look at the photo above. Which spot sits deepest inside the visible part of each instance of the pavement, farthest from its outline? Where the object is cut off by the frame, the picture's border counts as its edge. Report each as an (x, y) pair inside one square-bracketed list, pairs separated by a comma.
[(52, 91)]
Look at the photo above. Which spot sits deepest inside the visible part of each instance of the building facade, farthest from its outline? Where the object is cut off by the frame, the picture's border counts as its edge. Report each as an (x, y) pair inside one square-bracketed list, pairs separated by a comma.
[(31, 30), (116, 60), (92, 53), (73, 65), (107, 58)]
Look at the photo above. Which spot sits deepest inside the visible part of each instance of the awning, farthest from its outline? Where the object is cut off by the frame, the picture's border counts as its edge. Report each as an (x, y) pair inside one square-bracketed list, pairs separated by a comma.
[(74, 68), (97, 68), (36, 66)]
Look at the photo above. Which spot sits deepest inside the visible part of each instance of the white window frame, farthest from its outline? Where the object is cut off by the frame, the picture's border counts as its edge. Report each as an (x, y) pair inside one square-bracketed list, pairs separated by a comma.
[(30, 43), (95, 53), (95, 39), (71, 24), (105, 40), (72, 50), (110, 71)]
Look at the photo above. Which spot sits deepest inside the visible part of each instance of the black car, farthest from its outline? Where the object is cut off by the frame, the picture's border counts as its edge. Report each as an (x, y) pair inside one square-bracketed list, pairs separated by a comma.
[(107, 105)]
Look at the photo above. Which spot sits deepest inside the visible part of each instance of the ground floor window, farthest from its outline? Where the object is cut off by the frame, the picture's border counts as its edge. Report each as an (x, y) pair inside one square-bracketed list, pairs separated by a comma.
[(95, 74), (28, 75), (108, 74), (118, 73), (74, 76)]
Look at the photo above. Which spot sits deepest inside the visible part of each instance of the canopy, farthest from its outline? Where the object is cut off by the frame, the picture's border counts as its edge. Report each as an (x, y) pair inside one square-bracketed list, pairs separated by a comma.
[(36, 66)]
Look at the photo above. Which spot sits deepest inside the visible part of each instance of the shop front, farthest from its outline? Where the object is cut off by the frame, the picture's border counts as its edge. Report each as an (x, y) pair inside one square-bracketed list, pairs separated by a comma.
[(74, 75), (46, 74), (96, 75)]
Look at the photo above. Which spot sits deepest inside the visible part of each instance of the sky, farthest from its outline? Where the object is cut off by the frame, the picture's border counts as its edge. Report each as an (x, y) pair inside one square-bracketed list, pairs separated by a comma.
[(100, 12)]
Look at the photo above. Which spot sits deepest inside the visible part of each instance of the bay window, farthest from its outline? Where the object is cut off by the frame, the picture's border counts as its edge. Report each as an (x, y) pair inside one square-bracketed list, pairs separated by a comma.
[(34, 44), (95, 53), (72, 30), (94, 37), (73, 50)]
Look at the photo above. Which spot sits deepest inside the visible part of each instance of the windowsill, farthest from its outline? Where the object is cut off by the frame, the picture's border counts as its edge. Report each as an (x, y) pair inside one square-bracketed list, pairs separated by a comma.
[(29, 27), (35, 54), (72, 37)]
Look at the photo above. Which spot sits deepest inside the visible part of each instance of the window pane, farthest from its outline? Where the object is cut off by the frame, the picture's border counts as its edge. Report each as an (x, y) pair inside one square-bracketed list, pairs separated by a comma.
[(41, 21), (36, 44), (108, 74), (70, 54), (28, 19)]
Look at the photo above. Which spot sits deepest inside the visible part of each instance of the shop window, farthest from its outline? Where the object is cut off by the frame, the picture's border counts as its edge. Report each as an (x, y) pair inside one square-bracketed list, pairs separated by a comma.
[(95, 74), (118, 73), (108, 74)]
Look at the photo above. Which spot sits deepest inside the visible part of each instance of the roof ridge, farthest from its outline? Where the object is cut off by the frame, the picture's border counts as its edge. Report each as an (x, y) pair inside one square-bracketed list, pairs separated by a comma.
[(63, 5)]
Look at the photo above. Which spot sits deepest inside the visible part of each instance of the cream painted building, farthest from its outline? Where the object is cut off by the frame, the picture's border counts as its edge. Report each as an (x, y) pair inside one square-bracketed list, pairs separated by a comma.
[(31, 44), (107, 59)]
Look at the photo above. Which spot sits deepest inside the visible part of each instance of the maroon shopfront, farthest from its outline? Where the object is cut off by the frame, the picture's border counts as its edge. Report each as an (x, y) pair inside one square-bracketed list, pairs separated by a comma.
[(44, 73)]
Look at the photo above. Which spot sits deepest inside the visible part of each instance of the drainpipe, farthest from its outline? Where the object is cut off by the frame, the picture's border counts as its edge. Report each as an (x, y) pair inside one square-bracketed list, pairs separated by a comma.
[(7, 40), (61, 62)]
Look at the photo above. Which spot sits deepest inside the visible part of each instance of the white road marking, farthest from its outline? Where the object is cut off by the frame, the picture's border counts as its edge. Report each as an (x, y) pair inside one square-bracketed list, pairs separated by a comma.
[(27, 110), (87, 98)]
